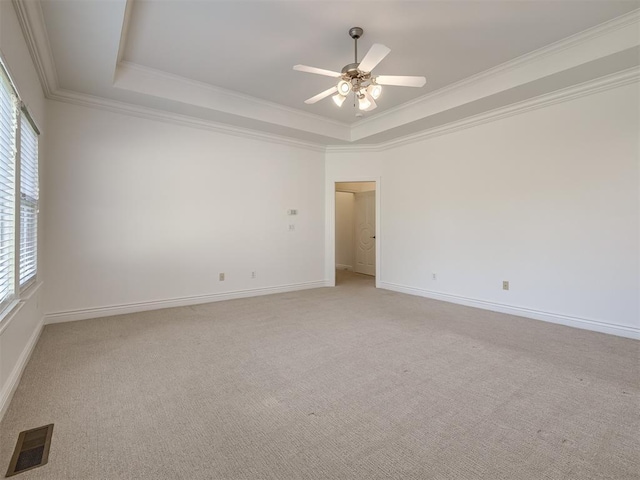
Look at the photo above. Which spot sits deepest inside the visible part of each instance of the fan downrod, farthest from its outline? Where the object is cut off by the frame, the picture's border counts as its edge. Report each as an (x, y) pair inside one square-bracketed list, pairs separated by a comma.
[(351, 70)]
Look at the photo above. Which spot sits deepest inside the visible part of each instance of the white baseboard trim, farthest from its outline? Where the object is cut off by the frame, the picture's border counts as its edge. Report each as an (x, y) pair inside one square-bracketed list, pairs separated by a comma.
[(9, 388), (344, 267), (107, 311), (576, 322)]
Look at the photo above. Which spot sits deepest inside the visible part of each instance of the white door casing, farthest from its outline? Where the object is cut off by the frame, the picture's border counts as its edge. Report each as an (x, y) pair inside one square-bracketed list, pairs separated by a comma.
[(365, 213)]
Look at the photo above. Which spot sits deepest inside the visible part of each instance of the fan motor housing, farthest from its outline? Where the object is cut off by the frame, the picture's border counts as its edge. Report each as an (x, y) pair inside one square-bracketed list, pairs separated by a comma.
[(351, 70)]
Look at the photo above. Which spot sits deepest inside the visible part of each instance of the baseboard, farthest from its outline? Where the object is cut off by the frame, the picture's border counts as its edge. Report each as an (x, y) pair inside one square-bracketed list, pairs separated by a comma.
[(14, 378), (344, 267), (107, 311), (583, 323)]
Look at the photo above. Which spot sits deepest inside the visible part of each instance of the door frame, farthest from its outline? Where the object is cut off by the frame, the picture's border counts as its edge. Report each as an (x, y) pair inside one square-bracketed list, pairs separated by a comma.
[(330, 237)]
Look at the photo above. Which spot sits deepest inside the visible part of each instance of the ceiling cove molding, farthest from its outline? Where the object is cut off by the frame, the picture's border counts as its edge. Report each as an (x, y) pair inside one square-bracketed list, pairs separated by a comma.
[(602, 40), (35, 34), (124, 31), (629, 19), (32, 23), (81, 99), (187, 82), (615, 80), (149, 81)]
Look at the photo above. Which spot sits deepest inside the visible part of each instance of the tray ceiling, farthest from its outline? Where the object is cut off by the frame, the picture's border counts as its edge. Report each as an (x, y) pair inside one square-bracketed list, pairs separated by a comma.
[(231, 62)]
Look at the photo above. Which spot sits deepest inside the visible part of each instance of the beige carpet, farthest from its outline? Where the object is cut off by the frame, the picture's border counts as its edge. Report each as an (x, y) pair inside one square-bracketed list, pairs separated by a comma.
[(343, 383)]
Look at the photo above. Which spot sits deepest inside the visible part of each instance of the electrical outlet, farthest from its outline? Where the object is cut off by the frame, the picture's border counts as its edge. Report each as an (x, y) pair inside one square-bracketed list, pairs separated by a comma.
[(434, 276), (292, 227), (253, 274), (222, 277), (505, 285)]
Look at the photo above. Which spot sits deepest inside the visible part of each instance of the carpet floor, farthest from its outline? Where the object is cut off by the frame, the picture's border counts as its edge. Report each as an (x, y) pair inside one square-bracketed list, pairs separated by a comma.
[(333, 383)]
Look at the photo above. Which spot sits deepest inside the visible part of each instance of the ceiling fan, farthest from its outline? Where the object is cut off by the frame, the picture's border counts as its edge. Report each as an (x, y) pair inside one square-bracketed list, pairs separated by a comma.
[(357, 78)]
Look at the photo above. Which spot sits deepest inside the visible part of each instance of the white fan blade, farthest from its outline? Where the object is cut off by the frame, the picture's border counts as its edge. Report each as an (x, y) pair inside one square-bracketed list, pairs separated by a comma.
[(401, 80), (322, 95), (317, 71), (373, 57)]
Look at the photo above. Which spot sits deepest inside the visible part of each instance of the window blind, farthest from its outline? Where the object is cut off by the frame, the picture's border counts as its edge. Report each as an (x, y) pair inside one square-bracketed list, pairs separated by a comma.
[(8, 129), (28, 201)]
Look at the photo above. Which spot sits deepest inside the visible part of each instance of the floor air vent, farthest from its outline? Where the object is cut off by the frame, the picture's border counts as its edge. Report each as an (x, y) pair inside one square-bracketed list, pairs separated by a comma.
[(32, 450)]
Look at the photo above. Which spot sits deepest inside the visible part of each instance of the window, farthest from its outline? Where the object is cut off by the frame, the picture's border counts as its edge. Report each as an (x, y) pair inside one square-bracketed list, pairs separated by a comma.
[(8, 131), (28, 201), (18, 194)]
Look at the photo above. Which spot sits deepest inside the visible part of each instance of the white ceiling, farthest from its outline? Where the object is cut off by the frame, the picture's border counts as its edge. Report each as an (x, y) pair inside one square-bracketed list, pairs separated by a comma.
[(238, 55), (250, 47)]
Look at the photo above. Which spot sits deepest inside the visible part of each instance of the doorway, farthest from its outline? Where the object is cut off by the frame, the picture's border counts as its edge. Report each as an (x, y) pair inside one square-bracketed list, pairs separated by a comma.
[(355, 228)]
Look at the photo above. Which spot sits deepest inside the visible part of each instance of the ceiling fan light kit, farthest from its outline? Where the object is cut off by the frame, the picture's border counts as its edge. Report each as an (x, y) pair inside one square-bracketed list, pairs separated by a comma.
[(356, 77), (344, 87), (363, 102), (374, 90), (339, 99)]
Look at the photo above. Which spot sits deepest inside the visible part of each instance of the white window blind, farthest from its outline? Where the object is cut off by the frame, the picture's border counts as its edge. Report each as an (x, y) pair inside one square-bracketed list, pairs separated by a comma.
[(28, 200), (8, 129)]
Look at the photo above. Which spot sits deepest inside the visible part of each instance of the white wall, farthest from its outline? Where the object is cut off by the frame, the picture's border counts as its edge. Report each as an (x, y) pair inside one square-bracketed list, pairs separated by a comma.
[(546, 199), (140, 212), (345, 221), (20, 329)]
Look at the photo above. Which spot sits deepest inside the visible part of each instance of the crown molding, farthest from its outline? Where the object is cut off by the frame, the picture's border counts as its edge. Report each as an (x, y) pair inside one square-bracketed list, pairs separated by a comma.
[(396, 116), (31, 20), (35, 34), (158, 83), (608, 82), (595, 43), (66, 96), (124, 32), (189, 83), (579, 38), (34, 30), (591, 87)]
